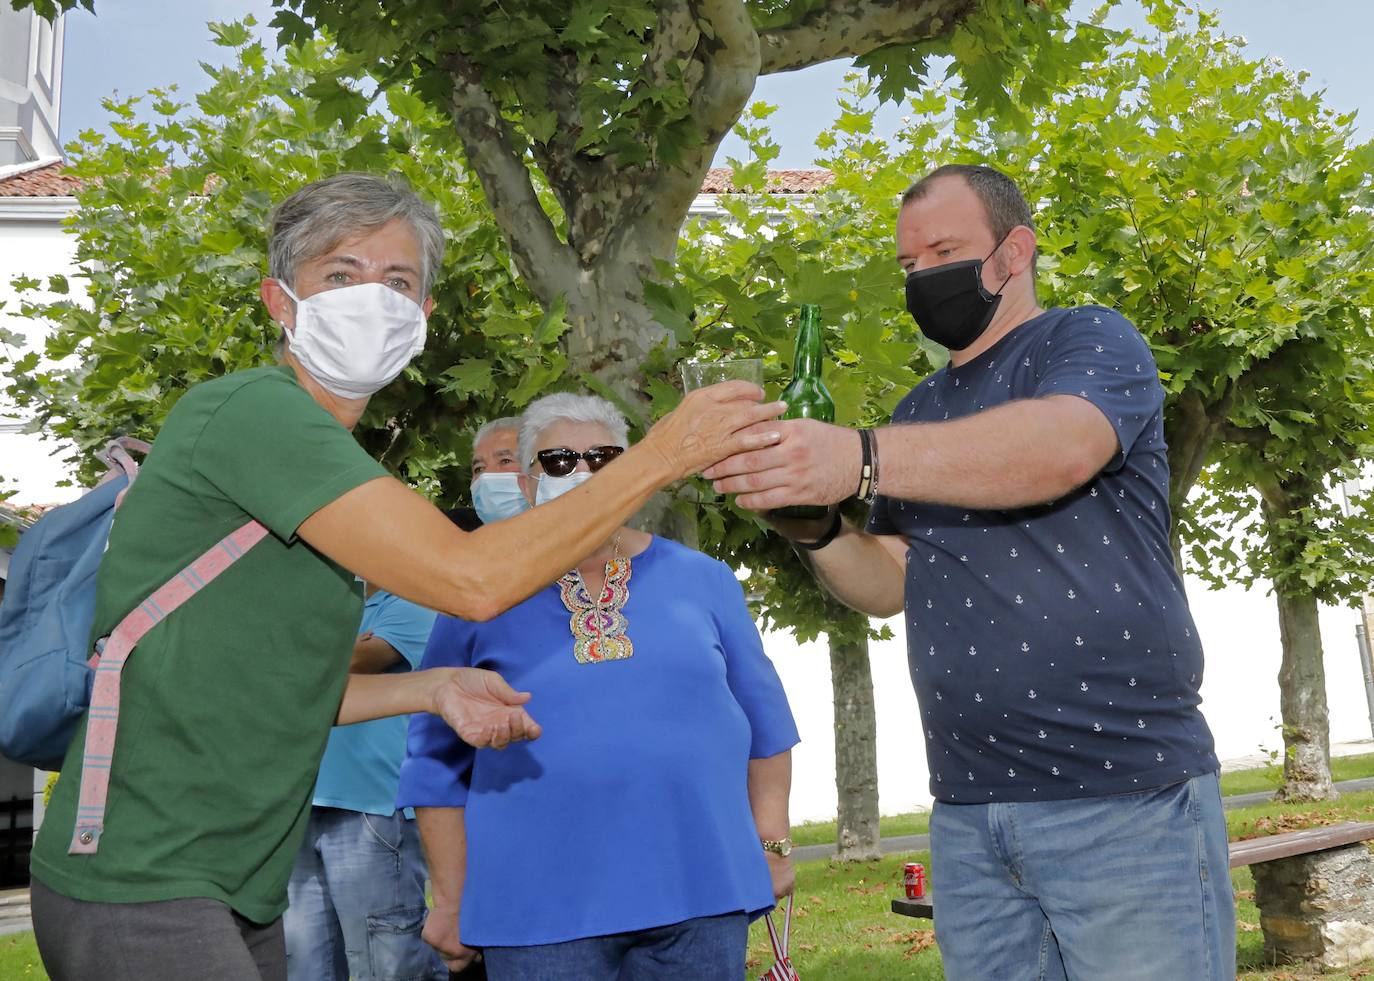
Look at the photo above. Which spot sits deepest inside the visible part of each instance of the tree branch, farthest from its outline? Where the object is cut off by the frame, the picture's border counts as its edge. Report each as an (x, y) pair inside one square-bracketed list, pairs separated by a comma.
[(600, 194), (674, 39), (497, 156), (730, 67), (1244, 435), (850, 28), (567, 171)]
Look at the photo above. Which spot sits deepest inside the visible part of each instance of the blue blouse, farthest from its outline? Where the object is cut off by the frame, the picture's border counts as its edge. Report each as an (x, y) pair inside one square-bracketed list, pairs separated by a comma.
[(632, 810)]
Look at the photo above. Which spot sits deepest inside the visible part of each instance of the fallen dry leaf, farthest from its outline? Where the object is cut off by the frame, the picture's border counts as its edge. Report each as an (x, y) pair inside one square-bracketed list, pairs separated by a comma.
[(925, 941), (910, 937), (867, 890)]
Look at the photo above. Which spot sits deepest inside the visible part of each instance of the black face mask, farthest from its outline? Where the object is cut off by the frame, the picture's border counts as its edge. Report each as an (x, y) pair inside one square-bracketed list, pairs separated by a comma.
[(950, 304)]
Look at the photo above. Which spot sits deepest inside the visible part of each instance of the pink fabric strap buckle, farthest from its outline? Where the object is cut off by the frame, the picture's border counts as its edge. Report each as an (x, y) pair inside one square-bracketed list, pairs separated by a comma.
[(115, 455), (782, 969), (103, 716)]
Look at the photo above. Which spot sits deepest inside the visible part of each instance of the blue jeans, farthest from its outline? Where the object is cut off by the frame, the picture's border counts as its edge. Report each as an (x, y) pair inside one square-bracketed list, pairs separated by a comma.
[(1128, 887), (708, 948), (357, 897)]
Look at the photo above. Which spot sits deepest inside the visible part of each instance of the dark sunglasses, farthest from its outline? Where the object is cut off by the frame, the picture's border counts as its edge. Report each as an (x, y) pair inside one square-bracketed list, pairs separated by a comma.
[(560, 461)]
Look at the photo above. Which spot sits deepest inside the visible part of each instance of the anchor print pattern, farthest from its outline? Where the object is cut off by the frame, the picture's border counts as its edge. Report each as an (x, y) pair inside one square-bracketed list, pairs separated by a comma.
[(1060, 631)]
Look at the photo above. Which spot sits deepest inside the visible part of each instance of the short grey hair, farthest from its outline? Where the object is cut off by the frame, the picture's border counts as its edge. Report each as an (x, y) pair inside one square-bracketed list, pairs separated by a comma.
[(321, 215), (1004, 206), (570, 407), (511, 423)]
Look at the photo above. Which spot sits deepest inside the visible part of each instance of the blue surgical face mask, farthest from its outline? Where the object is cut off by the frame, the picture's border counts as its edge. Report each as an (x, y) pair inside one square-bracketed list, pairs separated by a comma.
[(552, 487), (497, 496)]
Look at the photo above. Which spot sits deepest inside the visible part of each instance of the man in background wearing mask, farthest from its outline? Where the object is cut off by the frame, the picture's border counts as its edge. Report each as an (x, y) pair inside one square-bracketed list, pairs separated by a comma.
[(1020, 522), (496, 492), (357, 891)]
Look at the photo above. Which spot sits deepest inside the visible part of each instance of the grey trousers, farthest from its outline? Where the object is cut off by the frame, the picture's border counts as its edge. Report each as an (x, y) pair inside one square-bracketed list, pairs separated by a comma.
[(170, 940)]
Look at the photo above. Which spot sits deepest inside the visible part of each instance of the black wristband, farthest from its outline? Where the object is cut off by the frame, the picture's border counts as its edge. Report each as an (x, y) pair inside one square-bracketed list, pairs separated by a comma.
[(868, 468), (836, 523)]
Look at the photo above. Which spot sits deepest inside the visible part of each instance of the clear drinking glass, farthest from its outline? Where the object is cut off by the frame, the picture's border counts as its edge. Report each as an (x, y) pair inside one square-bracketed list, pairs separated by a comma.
[(699, 374)]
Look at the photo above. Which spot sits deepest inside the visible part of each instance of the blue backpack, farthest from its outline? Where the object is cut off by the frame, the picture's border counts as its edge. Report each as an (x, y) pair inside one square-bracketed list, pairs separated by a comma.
[(47, 615)]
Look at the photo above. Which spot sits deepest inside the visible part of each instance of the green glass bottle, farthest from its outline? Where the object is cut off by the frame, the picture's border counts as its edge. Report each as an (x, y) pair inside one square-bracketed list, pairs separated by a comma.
[(806, 395)]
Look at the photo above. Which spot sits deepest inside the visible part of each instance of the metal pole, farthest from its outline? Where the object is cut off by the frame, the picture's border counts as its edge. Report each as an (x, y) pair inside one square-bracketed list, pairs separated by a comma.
[(1362, 639)]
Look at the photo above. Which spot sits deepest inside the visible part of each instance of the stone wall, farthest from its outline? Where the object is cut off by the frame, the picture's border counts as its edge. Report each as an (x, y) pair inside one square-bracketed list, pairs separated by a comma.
[(1318, 907)]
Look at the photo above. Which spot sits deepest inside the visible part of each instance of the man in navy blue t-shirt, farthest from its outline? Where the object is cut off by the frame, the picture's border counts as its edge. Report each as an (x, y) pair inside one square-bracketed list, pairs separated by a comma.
[(1020, 521)]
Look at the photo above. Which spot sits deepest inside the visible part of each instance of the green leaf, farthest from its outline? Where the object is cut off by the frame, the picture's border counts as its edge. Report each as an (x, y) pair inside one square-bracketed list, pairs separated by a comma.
[(553, 324), (337, 102), (406, 105), (666, 304), (584, 26), (233, 34), (471, 376), (537, 379), (223, 241)]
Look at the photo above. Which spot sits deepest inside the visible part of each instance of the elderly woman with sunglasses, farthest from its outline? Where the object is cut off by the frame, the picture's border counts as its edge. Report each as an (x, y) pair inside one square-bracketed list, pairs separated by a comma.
[(639, 836)]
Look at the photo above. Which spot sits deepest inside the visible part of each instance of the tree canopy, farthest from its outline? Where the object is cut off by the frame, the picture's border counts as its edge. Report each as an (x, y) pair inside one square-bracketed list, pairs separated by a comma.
[(590, 125)]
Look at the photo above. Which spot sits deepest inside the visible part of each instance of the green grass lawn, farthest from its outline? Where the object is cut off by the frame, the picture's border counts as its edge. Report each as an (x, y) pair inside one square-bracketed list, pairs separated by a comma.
[(823, 832), (19, 957), (843, 927), (1269, 777)]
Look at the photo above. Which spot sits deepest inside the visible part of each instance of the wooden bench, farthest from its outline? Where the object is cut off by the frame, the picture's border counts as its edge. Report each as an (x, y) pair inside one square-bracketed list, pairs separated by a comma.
[(1314, 889)]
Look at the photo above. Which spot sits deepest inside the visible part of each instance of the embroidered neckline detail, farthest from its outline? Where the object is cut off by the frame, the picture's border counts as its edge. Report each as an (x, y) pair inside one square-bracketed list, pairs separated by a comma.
[(598, 626)]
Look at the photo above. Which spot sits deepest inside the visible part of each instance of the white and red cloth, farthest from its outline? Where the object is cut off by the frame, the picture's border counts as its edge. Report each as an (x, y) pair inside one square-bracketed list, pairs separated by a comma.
[(782, 969)]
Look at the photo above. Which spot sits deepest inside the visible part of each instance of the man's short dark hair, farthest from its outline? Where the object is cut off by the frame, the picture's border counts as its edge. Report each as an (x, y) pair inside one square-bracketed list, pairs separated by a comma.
[(1003, 203)]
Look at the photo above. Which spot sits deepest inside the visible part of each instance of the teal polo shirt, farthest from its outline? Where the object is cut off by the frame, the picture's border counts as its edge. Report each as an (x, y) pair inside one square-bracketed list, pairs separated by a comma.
[(362, 762)]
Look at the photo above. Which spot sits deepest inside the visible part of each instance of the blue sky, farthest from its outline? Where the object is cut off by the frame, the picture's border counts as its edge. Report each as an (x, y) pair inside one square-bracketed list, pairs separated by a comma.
[(130, 46)]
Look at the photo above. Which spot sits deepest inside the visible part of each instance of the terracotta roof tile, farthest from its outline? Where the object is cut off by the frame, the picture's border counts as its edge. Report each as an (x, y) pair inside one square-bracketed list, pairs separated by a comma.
[(778, 182), (51, 180), (48, 181), (23, 515)]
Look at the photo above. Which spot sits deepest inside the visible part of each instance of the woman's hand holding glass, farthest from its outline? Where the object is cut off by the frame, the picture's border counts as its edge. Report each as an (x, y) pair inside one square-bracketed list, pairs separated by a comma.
[(711, 424)]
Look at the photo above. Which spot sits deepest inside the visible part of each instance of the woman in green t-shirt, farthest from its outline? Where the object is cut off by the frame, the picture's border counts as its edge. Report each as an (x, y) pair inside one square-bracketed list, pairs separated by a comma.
[(226, 704)]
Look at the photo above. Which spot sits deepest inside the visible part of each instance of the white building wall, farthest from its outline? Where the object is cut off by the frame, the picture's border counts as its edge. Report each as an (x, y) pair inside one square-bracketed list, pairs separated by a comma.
[(30, 85), (32, 243)]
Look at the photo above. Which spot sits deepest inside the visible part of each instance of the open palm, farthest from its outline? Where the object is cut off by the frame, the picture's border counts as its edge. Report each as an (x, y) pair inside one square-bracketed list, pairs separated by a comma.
[(483, 710)]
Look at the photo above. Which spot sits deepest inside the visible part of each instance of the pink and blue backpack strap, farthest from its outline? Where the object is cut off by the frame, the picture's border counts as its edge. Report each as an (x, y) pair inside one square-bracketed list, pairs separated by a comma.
[(103, 717)]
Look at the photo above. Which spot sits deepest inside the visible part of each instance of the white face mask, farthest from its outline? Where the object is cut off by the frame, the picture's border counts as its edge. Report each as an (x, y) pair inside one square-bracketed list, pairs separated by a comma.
[(498, 495), (355, 339), (552, 487)]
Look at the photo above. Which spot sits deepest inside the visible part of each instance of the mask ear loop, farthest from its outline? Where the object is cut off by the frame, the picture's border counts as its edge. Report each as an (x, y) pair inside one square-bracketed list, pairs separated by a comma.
[(288, 333), (994, 252)]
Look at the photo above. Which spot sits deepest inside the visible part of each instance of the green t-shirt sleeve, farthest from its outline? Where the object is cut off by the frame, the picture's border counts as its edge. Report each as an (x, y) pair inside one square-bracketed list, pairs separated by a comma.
[(276, 453)]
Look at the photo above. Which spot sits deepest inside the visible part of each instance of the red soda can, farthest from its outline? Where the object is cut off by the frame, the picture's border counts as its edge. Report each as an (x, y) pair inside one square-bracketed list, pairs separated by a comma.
[(914, 879)]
